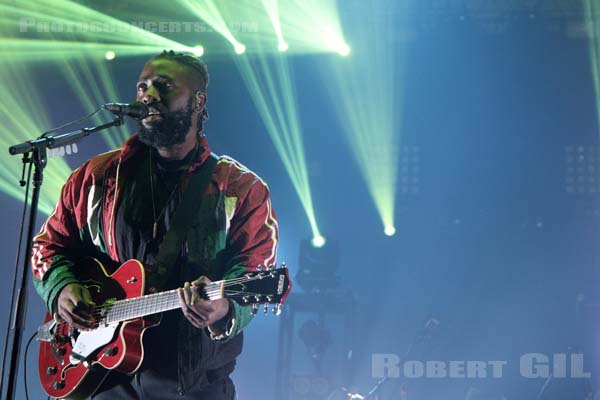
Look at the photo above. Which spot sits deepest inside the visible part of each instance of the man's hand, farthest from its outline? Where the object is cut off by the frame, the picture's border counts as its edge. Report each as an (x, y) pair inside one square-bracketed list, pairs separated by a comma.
[(76, 307), (200, 312)]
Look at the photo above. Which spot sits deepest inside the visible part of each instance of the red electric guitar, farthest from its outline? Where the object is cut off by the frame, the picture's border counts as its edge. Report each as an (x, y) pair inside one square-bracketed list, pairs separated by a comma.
[(73, 363)]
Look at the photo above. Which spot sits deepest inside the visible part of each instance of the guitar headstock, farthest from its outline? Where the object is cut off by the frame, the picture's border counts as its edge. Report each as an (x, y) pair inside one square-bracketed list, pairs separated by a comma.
[(264, 286)]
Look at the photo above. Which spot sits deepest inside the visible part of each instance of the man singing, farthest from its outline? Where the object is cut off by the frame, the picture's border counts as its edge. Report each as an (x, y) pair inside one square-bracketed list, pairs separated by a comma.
[(121, 205)]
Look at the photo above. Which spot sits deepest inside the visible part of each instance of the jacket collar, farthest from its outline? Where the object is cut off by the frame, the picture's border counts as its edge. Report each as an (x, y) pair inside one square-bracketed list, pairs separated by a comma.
[(133, 145)]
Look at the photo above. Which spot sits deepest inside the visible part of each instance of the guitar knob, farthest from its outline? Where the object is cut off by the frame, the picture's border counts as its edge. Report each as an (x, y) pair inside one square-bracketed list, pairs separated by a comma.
[(259, 267), (283, 265), (51, 370), (111, 351), (61, 351), (57, 385)]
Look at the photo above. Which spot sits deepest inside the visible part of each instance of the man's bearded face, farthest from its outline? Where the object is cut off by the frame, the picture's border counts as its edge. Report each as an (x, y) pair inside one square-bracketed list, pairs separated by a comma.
[(167, 128)]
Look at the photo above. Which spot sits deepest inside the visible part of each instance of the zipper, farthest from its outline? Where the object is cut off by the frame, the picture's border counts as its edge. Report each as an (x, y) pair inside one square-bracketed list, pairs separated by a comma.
[(101, 216), (111, 232)]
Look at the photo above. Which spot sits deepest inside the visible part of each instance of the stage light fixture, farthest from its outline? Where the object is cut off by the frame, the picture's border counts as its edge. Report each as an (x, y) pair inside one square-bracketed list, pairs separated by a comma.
[(318, 241), (582, 169), (240, 48), (110, 55), (198, 51), (283, 46), (344, 50), (390, 230)]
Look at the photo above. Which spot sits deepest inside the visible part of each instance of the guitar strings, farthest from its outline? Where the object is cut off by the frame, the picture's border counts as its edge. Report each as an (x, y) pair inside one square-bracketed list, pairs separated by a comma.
[(212, 288), (120, 307)]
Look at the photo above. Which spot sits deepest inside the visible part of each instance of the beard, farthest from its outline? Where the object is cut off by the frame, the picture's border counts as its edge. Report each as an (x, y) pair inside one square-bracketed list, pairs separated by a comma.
[(169, 130)]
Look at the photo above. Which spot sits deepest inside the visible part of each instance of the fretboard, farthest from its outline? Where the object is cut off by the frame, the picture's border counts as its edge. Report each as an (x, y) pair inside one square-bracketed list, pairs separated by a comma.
[(137, 307)]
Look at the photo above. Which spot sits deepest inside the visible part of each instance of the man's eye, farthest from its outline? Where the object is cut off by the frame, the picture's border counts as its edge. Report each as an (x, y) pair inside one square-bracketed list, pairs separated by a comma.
[(141, 87)]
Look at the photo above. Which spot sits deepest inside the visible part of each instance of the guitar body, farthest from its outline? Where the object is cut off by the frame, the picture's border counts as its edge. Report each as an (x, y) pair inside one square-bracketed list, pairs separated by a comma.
[(73, 366)]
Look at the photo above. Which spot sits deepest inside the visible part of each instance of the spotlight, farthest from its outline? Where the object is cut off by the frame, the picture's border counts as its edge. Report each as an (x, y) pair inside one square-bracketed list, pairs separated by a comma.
[(110, 55), (344, 50), (240, 48), (198, 51), (390, 230), (318, 241), (283, 46)]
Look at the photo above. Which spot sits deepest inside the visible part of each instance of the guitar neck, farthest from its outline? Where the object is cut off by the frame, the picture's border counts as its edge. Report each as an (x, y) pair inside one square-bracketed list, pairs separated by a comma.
[(123, 310)]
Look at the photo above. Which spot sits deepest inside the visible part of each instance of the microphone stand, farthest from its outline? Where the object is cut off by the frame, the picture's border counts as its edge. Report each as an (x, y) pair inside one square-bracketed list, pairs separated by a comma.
[(38, 147)]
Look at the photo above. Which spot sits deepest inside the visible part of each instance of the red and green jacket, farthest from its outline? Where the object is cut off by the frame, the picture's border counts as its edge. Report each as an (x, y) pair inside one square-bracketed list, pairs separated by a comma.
[(83, 223)]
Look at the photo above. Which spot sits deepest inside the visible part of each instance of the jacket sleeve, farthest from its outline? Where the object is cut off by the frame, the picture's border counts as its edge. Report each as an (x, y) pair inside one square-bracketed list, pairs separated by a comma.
[(252, 240), (55, 247)]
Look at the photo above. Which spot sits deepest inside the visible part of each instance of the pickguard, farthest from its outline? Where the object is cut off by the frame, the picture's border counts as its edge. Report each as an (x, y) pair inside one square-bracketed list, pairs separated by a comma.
[(89, 341)]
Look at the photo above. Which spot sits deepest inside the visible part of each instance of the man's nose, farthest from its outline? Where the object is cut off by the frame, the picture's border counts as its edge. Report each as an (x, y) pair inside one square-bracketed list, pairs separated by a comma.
[(152, 95)]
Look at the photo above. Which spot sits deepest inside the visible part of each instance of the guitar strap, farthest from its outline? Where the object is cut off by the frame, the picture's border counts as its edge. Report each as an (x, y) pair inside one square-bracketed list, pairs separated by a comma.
[(170, 247)]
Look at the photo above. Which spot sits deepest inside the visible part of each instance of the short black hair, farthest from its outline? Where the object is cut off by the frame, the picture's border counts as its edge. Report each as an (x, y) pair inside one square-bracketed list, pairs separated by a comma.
[(188, 60)]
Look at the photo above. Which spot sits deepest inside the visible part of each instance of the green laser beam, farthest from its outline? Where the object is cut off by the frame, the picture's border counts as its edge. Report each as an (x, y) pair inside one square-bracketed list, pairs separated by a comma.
[(362, 89), (69, 30), (268, 78), (208, 10), (93, 86), (308, 26), (592, 10), (19, 123)]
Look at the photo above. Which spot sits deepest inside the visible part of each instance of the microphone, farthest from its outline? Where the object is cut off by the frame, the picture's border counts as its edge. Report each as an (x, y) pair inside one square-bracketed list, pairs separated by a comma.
[(137, 110)]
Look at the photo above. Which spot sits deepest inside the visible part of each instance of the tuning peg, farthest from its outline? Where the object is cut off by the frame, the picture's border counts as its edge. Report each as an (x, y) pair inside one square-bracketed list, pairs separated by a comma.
[(266, 311), (277, 309), (254, 309)]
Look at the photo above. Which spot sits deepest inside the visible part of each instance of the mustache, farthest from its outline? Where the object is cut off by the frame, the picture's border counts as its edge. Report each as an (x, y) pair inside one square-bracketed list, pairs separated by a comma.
[(157, 108)]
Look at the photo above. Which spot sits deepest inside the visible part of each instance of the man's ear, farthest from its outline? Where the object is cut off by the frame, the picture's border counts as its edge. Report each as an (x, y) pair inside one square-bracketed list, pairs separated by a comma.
[(199, 101)]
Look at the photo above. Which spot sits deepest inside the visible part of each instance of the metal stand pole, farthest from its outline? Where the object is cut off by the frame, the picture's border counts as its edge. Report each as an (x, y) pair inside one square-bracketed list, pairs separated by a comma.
[(38, 148)]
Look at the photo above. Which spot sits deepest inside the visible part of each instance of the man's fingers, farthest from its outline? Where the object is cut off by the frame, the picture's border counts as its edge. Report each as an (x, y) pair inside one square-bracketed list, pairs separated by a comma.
[(78, 313), (87, 297), (73, 319), (194, 318), (201, 281), (83, 300), (195, 295), (187, 293), (192, 313)]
